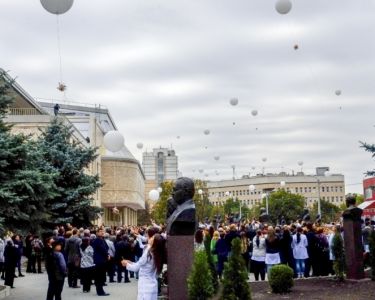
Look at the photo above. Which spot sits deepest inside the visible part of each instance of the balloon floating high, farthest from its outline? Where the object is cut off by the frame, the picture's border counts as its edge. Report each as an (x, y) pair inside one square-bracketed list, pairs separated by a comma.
[(233, 101), (160, 189), (234, 123), (57, 7), (113, 141), (283, 6), (201, 170), (254, 112), (300, 163), (338, 92), (206, 132), (153, 195), (295, 47), (178, 137), (140, 145), (264, 159), (216, 157)]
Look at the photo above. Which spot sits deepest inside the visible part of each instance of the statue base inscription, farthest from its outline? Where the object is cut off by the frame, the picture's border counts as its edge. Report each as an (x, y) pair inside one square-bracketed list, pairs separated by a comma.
[(180, 261)]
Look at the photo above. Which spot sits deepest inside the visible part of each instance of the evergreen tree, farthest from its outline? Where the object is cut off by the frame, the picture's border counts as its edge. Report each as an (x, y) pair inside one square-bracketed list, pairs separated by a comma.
[(235, 285), (338, 253), (199, 280), (210, 261), (76, 188), (24, 183), (369, 148)]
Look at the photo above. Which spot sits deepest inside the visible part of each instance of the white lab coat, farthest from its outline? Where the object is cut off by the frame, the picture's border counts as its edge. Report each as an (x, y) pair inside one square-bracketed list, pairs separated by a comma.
[(148, 282), (299, 249)]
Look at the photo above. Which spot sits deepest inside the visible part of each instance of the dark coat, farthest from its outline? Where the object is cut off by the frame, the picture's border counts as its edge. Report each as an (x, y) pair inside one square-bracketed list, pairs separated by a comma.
[(100, 251)]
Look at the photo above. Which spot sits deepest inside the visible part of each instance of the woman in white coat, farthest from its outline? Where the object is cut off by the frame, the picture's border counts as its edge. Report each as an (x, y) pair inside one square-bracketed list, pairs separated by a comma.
[(149, 267), (299, 246)]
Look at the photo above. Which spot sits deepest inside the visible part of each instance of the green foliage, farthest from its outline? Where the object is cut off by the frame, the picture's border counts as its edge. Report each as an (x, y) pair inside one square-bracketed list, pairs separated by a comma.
[(338, 253), (202, 205), (281, 279), (144, 215), (159, 211), (69, 160), (235, 285), (282, 203), (330, 212), (210, 261), (200, 279), (369, 148), (372, 253)]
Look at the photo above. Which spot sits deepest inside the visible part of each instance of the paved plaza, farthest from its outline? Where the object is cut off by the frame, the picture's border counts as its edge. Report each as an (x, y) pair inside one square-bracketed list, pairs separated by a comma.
[(34, 287)]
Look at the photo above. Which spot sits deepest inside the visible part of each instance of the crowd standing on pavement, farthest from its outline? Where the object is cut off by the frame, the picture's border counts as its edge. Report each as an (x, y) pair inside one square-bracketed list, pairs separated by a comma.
[(90, 257)]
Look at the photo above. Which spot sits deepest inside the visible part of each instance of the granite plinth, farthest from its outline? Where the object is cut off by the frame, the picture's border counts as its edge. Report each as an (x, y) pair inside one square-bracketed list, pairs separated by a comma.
[(353, 249), (180, 261)]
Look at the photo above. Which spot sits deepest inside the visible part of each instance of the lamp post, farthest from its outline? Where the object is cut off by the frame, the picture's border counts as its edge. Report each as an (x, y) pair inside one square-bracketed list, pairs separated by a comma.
[(326, 173), (265, 195)]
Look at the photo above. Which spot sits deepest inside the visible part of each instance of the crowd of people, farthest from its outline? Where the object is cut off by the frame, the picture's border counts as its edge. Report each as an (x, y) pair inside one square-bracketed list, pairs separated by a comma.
[(305, 247), (88, 257)]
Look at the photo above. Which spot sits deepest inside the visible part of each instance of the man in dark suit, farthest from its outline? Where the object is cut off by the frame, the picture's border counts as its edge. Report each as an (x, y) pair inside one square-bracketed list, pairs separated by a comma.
[(101, 258)]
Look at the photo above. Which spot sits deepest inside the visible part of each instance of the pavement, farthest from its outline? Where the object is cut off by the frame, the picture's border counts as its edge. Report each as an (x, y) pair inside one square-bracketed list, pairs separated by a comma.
[(34, 287)]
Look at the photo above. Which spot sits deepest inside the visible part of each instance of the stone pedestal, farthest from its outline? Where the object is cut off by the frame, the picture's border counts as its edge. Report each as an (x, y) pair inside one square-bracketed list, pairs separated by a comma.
[(353, 244), (180, 261)]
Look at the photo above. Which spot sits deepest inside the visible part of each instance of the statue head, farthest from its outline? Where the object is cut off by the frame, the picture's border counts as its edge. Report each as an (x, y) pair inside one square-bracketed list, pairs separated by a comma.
[(350, 200), (262, 211), (183, 190)]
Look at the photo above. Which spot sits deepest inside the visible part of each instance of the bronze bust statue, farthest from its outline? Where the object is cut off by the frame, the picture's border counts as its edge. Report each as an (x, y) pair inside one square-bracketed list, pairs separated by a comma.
[(306, 216), (264, 217), (181, 208), (352, 212)]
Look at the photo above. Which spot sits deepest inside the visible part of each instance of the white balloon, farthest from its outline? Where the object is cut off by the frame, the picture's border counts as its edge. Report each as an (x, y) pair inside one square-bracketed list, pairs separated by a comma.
[(206, 132), (201, 170), (140, 145), (264, 159), (300, 163), (254, 112), (57, 7), (114, 140), (253, 167), (216, 157), (217, 172), (233, 101), (338, 92), (178, 137), (153, 195), (283, 6), (160, 189), (200, 192), (206, 175)]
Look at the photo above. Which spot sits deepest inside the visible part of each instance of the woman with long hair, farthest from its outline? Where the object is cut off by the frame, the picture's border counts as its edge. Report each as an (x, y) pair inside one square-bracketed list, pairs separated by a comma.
[(149, 267), (299, 246), (245, 248), (272, 249), (215, 238), (259, 256)]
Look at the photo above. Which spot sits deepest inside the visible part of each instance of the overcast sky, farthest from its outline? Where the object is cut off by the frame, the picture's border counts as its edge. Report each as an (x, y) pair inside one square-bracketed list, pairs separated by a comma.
[(168, 68)]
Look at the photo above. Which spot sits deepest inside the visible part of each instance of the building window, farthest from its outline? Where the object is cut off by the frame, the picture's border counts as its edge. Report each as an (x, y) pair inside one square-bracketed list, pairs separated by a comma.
[(301, 190), (341, 189), (309, 189), (323, 189), (305, 189), (241, 193), (247, 192)]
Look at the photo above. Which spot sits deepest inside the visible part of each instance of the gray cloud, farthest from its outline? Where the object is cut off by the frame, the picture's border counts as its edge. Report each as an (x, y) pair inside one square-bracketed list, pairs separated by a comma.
[(168, 68)]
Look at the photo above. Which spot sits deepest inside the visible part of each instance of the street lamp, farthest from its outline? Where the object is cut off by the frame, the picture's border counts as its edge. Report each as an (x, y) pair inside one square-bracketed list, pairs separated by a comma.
[(265, 195)]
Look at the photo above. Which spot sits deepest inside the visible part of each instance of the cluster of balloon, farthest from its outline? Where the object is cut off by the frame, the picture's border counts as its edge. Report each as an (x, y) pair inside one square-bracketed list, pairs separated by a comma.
[(283, 6), (58, 7), (254, 112), (233, 101), (154, 195), (139, 145), (206, 132), (113, 141)]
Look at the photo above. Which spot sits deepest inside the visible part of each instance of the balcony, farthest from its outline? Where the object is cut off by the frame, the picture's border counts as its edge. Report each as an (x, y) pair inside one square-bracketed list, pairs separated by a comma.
[(23, 112)]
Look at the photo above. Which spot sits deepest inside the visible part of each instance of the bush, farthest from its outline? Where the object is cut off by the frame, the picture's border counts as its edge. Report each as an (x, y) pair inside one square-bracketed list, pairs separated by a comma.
[(235, 285), (200, 278), (338, 253), (281, 279)]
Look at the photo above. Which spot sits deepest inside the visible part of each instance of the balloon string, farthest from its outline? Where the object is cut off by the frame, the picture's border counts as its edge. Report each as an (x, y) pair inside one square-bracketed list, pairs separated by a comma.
[(59, 51)]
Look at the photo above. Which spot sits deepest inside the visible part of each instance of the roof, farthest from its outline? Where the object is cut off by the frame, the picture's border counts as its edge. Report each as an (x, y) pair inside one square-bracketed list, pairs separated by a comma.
[(366, 204)]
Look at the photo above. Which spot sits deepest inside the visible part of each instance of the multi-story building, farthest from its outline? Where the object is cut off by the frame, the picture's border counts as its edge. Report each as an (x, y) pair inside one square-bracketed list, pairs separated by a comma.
[(121, 174), (159, 165), (250, 190)]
